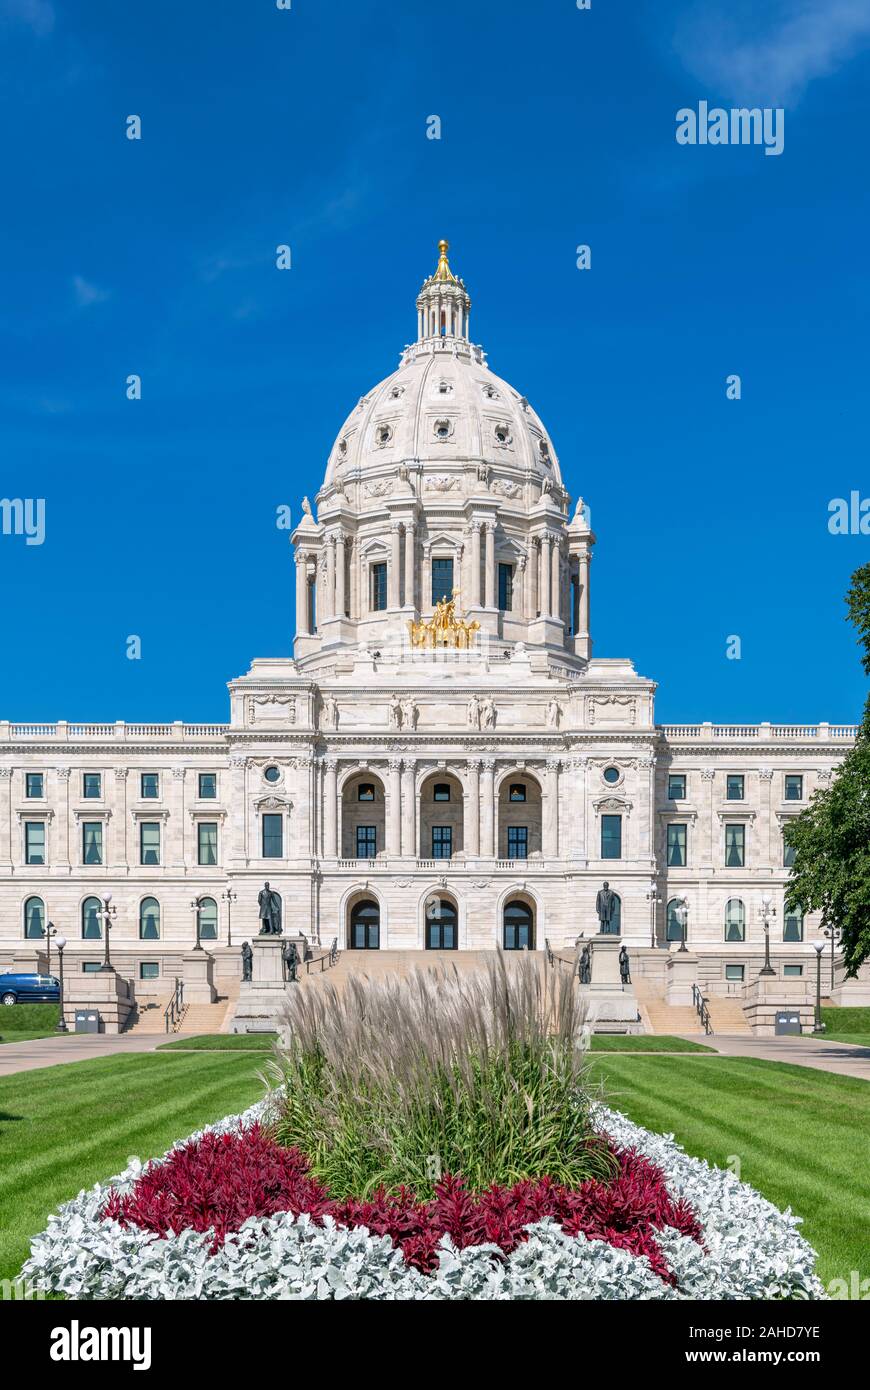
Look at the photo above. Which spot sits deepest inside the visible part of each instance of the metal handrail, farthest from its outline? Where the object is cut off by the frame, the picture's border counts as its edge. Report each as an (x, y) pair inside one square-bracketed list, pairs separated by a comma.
[(325, 960), (701, 1008), (175, 1008)]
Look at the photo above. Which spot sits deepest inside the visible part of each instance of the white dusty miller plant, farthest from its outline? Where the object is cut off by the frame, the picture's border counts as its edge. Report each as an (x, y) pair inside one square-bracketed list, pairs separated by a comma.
[(753, 1251)]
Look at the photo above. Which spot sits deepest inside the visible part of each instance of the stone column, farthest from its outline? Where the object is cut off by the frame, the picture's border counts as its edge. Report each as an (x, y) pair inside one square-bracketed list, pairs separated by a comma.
[(120, 855), (490, 564), (176, 813), (583, 596), (409, 811), (534, 569), (551, 810), (62, 850), (471, 827), (556, 580), (393, 577), (475, 564), (340, 575), (302, 627), (6, 817), (487, 809), (237, 848), (544, 586), (394, 809), (327, 602), (410, 565), (330, 808), (578, 819)]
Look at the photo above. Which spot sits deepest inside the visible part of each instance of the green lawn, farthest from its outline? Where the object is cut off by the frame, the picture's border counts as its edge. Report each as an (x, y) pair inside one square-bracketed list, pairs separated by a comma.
[(859, 1039), (800, 1136), (222, 1042), (644, 1042), (20, 1022), (66, 1127), (846, 1020)]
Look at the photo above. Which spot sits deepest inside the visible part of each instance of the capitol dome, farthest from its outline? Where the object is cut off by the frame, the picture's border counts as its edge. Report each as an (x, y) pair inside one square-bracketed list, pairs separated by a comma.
[(442, 483)]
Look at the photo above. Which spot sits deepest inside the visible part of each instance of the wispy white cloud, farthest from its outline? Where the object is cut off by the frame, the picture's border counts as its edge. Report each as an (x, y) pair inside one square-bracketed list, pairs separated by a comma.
[(37, 15), (87, 294), (769, 54)]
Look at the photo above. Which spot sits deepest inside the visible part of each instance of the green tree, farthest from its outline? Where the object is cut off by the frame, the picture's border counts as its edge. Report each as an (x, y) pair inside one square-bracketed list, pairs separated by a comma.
[(831, 838)]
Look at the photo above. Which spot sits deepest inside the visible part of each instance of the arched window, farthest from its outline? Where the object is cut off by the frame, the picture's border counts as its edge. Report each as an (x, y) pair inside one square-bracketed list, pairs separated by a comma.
[(614, 926), (34, 919), (149, 920), (674, 927), (441, 922), (519, 927), (365, 926), (92, 921), (793, 925), (735, 920), (208, 919)]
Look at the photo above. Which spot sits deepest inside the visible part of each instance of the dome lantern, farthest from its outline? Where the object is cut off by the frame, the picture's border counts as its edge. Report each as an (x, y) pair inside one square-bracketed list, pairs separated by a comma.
[(443, 304)]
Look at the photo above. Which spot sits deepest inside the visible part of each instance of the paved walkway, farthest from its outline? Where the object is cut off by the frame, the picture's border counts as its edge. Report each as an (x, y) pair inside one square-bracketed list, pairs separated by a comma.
[(846, 1059), (76, 1047)]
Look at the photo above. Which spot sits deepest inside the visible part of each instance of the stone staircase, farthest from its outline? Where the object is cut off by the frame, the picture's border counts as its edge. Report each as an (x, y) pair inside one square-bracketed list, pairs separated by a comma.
[(205, 1018), (727, 1016), (148, 1017), (662, 1017), (382, 965)]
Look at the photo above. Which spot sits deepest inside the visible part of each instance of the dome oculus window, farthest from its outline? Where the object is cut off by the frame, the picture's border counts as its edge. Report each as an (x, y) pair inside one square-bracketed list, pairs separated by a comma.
[(611, 775), (383, 435), (442, 429), (272, 774), (491, 393), (502, 435)]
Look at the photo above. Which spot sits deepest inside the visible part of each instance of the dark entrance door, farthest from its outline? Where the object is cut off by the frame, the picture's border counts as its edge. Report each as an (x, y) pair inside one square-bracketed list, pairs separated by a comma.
[(365, 926), (519, 931), (441, 932)]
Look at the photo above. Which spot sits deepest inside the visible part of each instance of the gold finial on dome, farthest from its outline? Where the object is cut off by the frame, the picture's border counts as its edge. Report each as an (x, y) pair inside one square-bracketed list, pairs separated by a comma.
[(443, 271)]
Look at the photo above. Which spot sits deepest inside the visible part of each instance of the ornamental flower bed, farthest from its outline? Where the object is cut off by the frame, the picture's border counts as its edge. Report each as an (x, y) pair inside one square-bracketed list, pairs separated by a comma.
[(230, 1214)]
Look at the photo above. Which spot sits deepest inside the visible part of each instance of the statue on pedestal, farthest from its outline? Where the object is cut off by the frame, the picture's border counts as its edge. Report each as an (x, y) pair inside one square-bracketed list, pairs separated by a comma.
[(247, 963), (605, 906), (585, 967), (624, 971), (269, 904), (291, 963)]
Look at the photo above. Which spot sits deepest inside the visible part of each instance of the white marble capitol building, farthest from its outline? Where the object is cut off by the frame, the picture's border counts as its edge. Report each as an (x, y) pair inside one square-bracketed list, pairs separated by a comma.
[(443, 763)]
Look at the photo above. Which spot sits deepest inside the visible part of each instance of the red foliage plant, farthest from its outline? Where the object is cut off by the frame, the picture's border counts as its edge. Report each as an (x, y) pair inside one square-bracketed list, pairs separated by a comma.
[(218, 1181)]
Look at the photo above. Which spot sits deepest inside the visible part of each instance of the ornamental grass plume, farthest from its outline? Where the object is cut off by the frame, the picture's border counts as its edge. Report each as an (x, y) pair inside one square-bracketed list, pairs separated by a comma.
[(392, 1083)]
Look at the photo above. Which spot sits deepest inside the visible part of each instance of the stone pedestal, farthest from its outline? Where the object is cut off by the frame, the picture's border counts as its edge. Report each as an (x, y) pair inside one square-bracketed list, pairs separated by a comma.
[(197, 973), (612, 1005), (109, 993), (681, 973), (766, 996), (261, 999), (848, 993)]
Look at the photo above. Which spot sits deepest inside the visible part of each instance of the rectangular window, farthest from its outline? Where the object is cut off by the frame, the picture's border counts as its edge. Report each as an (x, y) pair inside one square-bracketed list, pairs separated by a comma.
[(273, 836), (677, 846), (792, 972), (34, 842), (787, 855), (149, 842), (207, 786), (441, 791), (207, 841), (611, 837), (734, 786), (379, 587), (734, 972), (442, 841), (91, 967), (92, 786), (676, 786), (506, 588), (518, 842), (366, 791), (794, 786), (366, 842), (149, 786), (517, 791), (735, 846), (149, 970), (92, 842), (442, 579), (34, 784)]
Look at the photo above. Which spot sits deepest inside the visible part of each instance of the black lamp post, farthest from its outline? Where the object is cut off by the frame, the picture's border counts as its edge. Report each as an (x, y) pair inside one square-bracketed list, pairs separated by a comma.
[(682, 912), (60, 942), (229, 896), (108, 914), (833, 934), (196, 907), (50, 931), (768, 910), (818, 947), (653, 899)]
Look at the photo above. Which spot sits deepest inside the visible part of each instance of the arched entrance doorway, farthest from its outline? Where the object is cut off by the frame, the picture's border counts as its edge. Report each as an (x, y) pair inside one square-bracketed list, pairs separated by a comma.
[(518, 922), (365, 926), (442, 924)]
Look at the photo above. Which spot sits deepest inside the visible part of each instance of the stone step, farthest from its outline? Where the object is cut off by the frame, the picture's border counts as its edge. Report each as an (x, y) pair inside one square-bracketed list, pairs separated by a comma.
[(148, 1017), (205, 1018), (727, 1016)]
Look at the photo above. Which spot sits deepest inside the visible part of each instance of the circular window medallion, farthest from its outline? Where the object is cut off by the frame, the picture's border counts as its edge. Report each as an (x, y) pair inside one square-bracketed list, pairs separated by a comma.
[(502, 435), (272, 774), (611, 775), (383, 435), (443, 429)]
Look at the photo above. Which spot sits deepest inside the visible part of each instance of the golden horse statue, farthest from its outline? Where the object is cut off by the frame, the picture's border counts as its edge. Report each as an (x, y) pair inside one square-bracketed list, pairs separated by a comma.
[(444, 628)]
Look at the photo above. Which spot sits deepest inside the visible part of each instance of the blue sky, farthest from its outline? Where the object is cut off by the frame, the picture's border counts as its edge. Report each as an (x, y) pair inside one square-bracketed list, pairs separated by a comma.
[(308, 127)]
